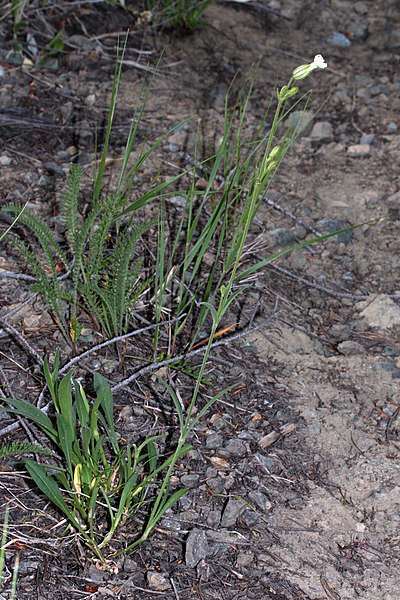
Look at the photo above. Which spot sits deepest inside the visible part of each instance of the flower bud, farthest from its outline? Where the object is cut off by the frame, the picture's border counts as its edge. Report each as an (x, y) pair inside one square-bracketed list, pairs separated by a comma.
[(288, 93), (273, 154), (304, 71)]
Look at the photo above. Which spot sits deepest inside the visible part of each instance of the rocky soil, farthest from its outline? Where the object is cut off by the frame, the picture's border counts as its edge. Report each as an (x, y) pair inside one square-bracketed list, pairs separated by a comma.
[(295, 483)]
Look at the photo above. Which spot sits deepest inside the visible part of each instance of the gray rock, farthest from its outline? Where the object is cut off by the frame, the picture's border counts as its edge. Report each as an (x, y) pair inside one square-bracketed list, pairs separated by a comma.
[(382, 313), (189, 480), (340, 332), (331, 225), (32, 321), (236, 447), (130, 565), (393, 206), (376, 90), (386, 366), (158, 581), (244, 559), (260, 500), (339, 39), (251, 518), (322, 132), (233, 509), (95, 574), (196, 548), (213, 518), (214, 440), (301, 121), (281, 237), (46, 181), (359, 150), (271, 465), (222, 537), (391, 127), (351, 348), (216, 484), (54, 168), (367, 138), (5, 160), (392, 351)]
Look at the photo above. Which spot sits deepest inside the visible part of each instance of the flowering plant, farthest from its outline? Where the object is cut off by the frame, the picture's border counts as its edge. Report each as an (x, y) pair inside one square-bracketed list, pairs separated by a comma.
[(304, 71)]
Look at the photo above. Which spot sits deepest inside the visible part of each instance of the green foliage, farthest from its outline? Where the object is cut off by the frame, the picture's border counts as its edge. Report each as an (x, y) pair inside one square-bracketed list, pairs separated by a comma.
[(105, 280), (3, 235), (180, 14), (97, 483), (21, 447), (17, 9), (3, 545)]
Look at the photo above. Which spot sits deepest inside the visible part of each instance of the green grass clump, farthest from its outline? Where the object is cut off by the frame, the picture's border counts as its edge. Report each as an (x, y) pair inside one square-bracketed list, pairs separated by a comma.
[(179, 14), (94, 480)]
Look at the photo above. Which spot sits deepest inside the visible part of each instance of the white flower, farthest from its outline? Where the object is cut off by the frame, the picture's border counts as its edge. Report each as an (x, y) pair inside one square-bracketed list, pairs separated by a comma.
[(318, 62), (304, 70)]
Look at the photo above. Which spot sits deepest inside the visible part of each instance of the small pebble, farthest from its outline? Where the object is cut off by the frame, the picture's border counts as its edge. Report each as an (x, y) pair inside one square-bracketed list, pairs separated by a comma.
[(351, 348), (301, 121), (90, 100), (158, 581), (236, 448), (214, 440), (190, 480), (281, 237), (391, 127), (260, 500), (359, 150), (54, 168), (393, 206), (196, 547), (322, 132), (367, 138), (339, 39), (232, 510), (5, 160)]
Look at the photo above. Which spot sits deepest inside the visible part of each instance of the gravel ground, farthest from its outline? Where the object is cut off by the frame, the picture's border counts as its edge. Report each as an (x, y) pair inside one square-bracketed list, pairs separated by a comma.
[(294, 477)]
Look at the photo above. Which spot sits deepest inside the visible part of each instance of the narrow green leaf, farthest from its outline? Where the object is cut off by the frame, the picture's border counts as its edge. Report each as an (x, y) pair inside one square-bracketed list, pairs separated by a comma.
[(66, 438), (82, 404), (49, 488), (270, 259), (65, 399), (23, 408), (176, 496)]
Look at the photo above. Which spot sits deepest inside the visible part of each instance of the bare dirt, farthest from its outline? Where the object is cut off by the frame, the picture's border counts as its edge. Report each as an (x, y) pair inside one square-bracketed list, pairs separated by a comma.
[(295, 483)]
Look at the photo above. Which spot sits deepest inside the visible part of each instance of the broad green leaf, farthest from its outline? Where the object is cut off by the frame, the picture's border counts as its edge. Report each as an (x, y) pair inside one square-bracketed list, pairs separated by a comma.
[(49, 488), (153, 456), (65, 400), (66, 438), (25, 409), (86, 439), (106, 400), (82, 404)]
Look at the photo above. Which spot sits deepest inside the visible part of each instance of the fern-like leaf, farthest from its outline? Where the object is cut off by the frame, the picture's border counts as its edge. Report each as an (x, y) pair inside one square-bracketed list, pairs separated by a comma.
[(21, 447), (98, 241), (124, 276), (48, 287), (43, 233), (69, 206)]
